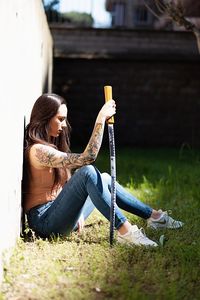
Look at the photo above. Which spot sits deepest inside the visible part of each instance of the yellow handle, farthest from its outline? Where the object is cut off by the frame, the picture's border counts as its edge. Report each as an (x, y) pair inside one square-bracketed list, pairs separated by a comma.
[(108, 96)]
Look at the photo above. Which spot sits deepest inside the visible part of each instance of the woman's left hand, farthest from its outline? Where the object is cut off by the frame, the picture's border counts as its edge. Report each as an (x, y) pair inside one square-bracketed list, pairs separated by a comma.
[(81, 223)]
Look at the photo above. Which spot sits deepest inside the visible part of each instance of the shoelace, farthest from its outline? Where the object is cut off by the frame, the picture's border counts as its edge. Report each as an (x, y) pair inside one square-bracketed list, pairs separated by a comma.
[(142, 236), (167, 212), (141, 233), (169, 219)]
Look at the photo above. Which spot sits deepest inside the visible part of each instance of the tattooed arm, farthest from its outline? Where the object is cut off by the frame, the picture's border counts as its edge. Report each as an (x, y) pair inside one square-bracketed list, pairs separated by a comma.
[(46, 156)]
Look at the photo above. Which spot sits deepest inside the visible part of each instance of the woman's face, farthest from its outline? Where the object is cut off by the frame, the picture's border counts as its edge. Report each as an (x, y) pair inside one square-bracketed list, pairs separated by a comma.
[(58, 122)]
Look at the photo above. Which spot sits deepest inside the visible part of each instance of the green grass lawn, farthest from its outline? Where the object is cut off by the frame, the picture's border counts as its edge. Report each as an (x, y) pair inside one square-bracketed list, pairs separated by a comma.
[(86, 267)]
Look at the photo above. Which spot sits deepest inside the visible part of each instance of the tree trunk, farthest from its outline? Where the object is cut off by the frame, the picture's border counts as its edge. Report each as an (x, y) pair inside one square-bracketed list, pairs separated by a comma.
[(179, 11), (197, 34)]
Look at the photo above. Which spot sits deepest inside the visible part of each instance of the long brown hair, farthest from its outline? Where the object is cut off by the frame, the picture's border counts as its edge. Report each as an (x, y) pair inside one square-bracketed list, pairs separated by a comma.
[(46, 107)]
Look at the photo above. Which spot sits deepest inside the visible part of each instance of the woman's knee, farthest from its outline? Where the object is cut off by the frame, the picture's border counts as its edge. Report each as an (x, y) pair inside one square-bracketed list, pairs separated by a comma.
[(106, 177), (91, 172), (88, 169)]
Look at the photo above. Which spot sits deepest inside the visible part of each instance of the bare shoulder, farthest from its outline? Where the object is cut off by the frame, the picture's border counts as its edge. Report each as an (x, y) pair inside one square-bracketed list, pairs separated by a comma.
[(40, 147), (46, 156), (40, 155)]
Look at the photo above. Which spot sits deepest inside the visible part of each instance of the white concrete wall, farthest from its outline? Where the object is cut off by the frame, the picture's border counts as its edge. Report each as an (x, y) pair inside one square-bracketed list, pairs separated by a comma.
[(25, 60)]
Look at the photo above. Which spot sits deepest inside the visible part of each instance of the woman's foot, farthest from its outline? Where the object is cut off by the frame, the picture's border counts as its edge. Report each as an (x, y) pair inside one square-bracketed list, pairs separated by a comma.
[(135, 236), (163, 221)]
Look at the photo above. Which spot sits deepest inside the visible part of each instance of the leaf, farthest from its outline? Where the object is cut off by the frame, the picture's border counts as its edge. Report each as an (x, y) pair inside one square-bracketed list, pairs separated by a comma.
[(162, 240)]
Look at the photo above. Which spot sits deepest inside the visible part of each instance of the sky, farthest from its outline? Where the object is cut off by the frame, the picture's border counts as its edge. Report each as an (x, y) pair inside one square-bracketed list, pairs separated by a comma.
[(95, 7)]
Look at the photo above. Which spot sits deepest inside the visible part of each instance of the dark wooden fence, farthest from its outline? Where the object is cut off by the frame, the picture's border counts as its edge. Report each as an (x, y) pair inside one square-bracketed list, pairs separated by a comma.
[(155, 78)]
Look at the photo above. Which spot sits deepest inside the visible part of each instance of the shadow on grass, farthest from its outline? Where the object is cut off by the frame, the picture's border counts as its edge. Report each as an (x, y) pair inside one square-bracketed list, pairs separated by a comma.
[(86, 267)]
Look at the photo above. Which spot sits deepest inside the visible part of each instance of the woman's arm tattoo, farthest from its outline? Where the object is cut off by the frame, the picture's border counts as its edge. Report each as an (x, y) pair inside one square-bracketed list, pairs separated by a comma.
[(50, 157), (95, 141)]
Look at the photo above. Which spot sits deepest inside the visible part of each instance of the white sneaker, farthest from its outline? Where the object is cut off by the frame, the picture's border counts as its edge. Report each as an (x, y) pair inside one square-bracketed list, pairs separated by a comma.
[(135, 236), (165, 221)]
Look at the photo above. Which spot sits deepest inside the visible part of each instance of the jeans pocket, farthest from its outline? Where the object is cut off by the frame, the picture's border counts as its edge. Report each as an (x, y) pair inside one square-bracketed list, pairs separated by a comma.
[(36, 217)]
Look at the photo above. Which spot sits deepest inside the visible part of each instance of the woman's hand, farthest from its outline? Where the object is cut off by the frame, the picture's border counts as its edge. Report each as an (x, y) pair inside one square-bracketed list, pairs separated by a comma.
[(91, 151), (107, 110), (81, 223)]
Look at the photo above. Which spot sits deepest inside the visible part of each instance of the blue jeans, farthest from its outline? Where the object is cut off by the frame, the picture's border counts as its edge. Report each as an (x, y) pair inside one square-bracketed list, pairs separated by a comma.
[(86, 189)]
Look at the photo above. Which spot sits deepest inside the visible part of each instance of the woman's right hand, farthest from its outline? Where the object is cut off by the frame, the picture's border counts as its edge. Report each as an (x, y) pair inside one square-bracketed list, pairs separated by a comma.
[(107, 110)]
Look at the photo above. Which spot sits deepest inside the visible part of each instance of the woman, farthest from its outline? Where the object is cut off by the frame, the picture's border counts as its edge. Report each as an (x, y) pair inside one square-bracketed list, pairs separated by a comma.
[(62, 188)]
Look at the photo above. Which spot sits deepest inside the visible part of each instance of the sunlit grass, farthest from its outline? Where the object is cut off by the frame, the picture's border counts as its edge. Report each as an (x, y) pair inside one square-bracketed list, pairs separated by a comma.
[(86, 267)]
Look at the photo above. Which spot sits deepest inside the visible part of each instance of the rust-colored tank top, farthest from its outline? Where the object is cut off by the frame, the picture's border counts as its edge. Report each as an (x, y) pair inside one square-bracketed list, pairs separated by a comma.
[(39, 189)]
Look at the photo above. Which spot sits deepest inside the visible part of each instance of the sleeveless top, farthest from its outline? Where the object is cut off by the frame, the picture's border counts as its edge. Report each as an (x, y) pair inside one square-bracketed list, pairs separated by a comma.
[(39, 188)]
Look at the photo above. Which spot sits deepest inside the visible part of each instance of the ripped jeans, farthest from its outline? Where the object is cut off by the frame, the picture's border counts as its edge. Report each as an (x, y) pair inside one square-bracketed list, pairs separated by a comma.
[(86, 189)]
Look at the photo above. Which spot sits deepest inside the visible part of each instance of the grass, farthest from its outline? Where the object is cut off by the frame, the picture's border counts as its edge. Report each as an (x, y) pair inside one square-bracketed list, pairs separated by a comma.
[(86, 267)]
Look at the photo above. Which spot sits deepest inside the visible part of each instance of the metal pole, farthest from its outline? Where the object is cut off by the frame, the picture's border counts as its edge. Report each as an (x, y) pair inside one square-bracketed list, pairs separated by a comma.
[(110, 122)]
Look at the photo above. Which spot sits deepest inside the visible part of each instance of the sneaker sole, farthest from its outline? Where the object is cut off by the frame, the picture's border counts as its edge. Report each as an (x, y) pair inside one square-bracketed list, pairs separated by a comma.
[(122, 241), (161, 227)]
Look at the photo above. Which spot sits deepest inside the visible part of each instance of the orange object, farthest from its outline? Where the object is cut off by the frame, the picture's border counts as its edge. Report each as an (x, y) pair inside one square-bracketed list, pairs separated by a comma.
[(108, 96)]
